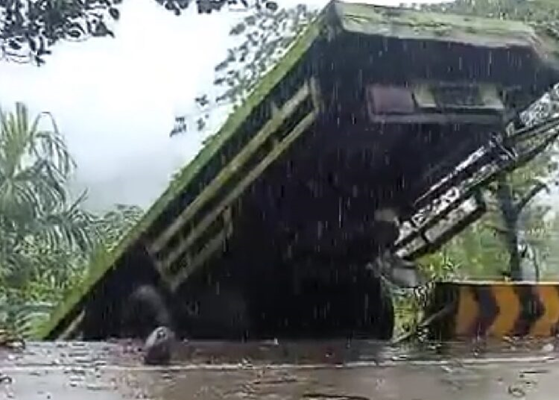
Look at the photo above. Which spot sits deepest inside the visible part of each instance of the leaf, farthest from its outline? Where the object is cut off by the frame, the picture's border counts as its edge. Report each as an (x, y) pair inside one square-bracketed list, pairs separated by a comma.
[(202, 100), (250, 20), (74, 33), (102, 30), (115, 13), (14, 45), (271, 5), (39, 60), (32, 45), (201, 124), (237, 29), (221, 66)]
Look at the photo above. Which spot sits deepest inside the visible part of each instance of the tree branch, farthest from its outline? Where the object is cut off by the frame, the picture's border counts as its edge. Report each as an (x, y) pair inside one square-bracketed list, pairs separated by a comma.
[(533, 192)]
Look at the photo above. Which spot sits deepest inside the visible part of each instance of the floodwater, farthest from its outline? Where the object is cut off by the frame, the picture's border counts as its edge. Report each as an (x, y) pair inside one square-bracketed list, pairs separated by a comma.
[(359, 370)]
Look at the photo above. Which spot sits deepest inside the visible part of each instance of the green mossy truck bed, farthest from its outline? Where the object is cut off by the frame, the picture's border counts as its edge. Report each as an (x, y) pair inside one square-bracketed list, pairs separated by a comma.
[(293, 99)]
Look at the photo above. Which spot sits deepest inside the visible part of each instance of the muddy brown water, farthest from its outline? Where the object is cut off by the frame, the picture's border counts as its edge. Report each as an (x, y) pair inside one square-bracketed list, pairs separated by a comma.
[(359, 370)]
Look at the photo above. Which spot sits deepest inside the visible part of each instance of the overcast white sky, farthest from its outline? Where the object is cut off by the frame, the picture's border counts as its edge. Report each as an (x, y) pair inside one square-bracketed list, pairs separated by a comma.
[(115, 99)]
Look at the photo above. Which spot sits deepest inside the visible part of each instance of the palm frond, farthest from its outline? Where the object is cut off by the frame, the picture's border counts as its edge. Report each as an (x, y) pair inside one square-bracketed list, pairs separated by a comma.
[(44, 236), (22, 319)]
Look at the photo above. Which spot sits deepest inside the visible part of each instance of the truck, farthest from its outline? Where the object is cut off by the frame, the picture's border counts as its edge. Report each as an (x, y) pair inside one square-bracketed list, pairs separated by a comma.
[(374, 136)]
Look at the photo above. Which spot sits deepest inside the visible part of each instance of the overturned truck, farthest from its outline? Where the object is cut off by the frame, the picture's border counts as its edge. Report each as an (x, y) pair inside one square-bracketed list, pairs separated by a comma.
[(374, 111)]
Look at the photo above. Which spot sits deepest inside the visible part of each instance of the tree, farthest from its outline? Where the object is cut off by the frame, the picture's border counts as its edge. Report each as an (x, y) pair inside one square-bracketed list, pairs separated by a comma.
[(29, 28), (46, 238), (263, 38), (34, 203), (111, 226), (58, 270), (38, 220)]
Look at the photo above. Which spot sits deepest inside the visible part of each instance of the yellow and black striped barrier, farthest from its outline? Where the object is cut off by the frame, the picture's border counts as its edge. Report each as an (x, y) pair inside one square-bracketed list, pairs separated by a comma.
[(494, 309)]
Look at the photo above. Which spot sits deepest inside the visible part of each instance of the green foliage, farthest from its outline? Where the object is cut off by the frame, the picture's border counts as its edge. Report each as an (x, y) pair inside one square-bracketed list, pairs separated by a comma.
[(35, 208), (40, 225), (548, 249), (30, 28), (114, 224), (46, 237), (266, 37)]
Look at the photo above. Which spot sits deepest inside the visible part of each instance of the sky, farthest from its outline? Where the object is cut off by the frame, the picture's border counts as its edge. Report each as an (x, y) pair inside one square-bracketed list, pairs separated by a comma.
[(115, 98)]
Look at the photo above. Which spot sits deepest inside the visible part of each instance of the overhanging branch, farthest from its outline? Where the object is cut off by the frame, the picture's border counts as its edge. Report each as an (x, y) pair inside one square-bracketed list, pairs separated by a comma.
[(533, 192)]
